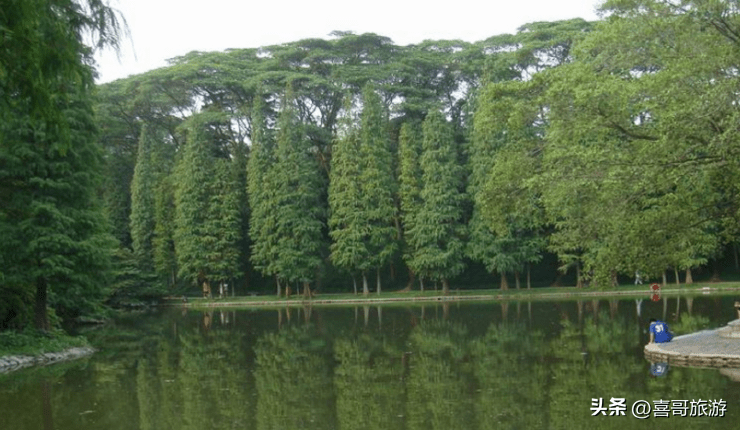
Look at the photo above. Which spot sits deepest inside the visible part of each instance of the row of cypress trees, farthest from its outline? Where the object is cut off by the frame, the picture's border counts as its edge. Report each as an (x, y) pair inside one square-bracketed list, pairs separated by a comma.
[(187, 219)]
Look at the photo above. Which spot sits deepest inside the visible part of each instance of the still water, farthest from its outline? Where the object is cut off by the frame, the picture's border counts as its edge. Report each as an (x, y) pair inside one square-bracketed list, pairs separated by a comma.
[(447, 366)]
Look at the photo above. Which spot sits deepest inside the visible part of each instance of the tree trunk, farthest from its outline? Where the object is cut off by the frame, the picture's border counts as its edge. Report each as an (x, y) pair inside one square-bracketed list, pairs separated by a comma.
[(421, 283), (715, 272), (529, 283), (445, 287), (306, 290), (665, 279), (279, 289), (689, 278), (516, 279), (615, 280), (354, 283), (579, 278), (365, 289), (377, 277), (393, 271), (412, 278), (41, 316), (678, 280), (504, 282)]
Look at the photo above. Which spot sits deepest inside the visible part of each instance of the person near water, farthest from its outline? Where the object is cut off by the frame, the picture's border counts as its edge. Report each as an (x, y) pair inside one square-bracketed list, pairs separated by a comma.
[(659, 331)]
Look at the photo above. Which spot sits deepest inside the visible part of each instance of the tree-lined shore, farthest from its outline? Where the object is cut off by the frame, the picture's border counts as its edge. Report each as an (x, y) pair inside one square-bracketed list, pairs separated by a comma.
[(350, 163)]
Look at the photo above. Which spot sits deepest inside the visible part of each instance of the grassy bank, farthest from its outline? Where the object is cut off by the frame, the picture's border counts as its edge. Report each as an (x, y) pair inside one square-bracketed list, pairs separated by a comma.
[(550, 293), (33, 342)]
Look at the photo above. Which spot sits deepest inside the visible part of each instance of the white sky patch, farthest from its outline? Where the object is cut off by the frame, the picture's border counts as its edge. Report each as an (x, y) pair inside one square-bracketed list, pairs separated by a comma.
[(163, 29)]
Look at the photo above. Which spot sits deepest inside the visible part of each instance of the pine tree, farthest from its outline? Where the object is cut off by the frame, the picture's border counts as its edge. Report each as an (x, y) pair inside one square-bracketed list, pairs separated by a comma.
[(223, 223), (299, 206), (55, 249), (51, 218), (377, 183), (142, 202), (346, 220), (261, 193), (238, 168), (409, 178), (163, 243), (192, 197), (436, 238)]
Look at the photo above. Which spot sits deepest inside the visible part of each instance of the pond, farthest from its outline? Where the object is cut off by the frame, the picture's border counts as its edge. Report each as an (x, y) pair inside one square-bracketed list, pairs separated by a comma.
[(527, 365)]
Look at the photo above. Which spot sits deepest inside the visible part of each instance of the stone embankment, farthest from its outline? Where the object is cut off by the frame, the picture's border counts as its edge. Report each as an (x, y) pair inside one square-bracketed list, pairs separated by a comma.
[(708, 348), (15, 362)]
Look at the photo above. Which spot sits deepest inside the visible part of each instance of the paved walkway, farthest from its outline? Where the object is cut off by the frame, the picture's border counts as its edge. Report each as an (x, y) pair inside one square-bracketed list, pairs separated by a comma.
[(709, 348)]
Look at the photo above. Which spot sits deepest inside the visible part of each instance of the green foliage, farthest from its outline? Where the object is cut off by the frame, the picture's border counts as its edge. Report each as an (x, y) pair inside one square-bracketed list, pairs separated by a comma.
[(409, 178), (143, 209), (207, 212), (507, 214), (610, 144), (377, 181), (163, 242), (224, 224), (34, 342), (624, 134), (53, 230), (261, 191), (298, 204), (436, 238), (347, 219)]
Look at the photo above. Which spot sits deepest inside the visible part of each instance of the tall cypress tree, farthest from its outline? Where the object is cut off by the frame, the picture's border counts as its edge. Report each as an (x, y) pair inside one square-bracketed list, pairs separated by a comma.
[(299, 204), (346, 219), (437, 235), (377, 183), (55, 251), (192, 194), (51, 218), (223, 223), (163, 243), (410, 183), (261, 193), (142, 202)]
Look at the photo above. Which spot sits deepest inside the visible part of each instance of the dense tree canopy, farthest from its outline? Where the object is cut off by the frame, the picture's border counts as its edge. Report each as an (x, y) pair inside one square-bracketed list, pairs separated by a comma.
[(608, 146), (57, 246)]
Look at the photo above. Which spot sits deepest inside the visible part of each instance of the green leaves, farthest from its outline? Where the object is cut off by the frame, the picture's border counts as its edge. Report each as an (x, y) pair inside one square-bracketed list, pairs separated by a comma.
[(207, 212), (299, 209), (437, 234)]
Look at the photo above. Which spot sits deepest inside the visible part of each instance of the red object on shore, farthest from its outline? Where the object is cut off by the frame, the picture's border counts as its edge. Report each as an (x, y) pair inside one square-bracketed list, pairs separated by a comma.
[(655, 287)]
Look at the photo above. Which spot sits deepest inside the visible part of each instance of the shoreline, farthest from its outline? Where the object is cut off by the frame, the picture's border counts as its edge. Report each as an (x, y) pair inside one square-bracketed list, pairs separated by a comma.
[(454, 296), (715, 348), (11, 363)]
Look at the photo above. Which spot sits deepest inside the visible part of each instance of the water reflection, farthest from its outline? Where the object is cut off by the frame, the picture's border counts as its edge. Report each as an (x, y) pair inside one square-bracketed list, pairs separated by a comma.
[(442, 366)]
